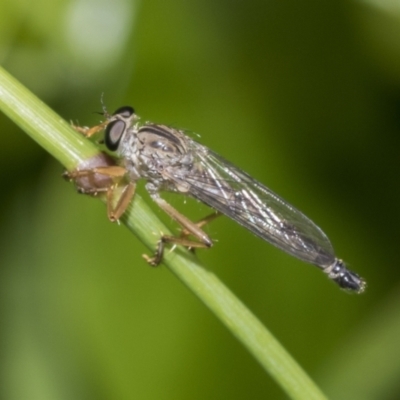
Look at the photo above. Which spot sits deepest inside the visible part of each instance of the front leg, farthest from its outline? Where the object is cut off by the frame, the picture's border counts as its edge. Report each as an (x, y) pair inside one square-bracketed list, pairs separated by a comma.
[(101, 175), (90, 131)]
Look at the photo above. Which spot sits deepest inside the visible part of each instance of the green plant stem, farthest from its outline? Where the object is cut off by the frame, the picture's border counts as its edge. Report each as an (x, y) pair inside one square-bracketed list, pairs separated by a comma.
[(71, 149)]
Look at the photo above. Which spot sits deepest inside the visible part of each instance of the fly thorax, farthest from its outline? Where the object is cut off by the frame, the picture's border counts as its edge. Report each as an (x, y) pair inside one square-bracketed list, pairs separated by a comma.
[(159, 148)]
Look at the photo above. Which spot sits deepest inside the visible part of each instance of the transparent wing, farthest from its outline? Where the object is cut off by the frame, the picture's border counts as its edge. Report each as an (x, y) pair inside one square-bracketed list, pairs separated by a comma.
[(224, 187)]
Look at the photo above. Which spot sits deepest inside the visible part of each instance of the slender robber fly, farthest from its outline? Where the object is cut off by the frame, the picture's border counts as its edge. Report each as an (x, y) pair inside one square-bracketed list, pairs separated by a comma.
[(171, 161)]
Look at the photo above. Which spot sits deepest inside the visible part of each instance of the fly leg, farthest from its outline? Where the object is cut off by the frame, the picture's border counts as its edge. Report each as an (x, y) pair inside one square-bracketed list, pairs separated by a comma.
[(188, 228), (204, 221), (104, 180), (114, 213), (87, 131)]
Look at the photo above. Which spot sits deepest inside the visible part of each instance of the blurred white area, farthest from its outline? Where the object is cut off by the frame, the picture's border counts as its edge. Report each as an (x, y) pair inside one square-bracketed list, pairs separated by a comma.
[(96, 31), (380, 35), (67, 44), (385, 5)]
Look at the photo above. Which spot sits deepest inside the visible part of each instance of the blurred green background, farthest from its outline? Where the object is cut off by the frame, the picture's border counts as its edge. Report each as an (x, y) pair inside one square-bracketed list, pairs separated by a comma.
[(305, 96)]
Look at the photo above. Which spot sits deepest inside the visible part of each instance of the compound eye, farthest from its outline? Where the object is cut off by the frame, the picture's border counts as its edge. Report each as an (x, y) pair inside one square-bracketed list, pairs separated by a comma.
[(125, 111), (113, 134)]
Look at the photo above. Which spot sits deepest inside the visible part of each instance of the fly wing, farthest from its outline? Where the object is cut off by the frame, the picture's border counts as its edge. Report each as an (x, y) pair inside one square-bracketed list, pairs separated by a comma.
[(224, 187)]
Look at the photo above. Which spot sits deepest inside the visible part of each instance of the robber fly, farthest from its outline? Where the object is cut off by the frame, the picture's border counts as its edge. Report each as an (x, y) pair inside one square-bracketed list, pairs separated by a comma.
[(171, 161)]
